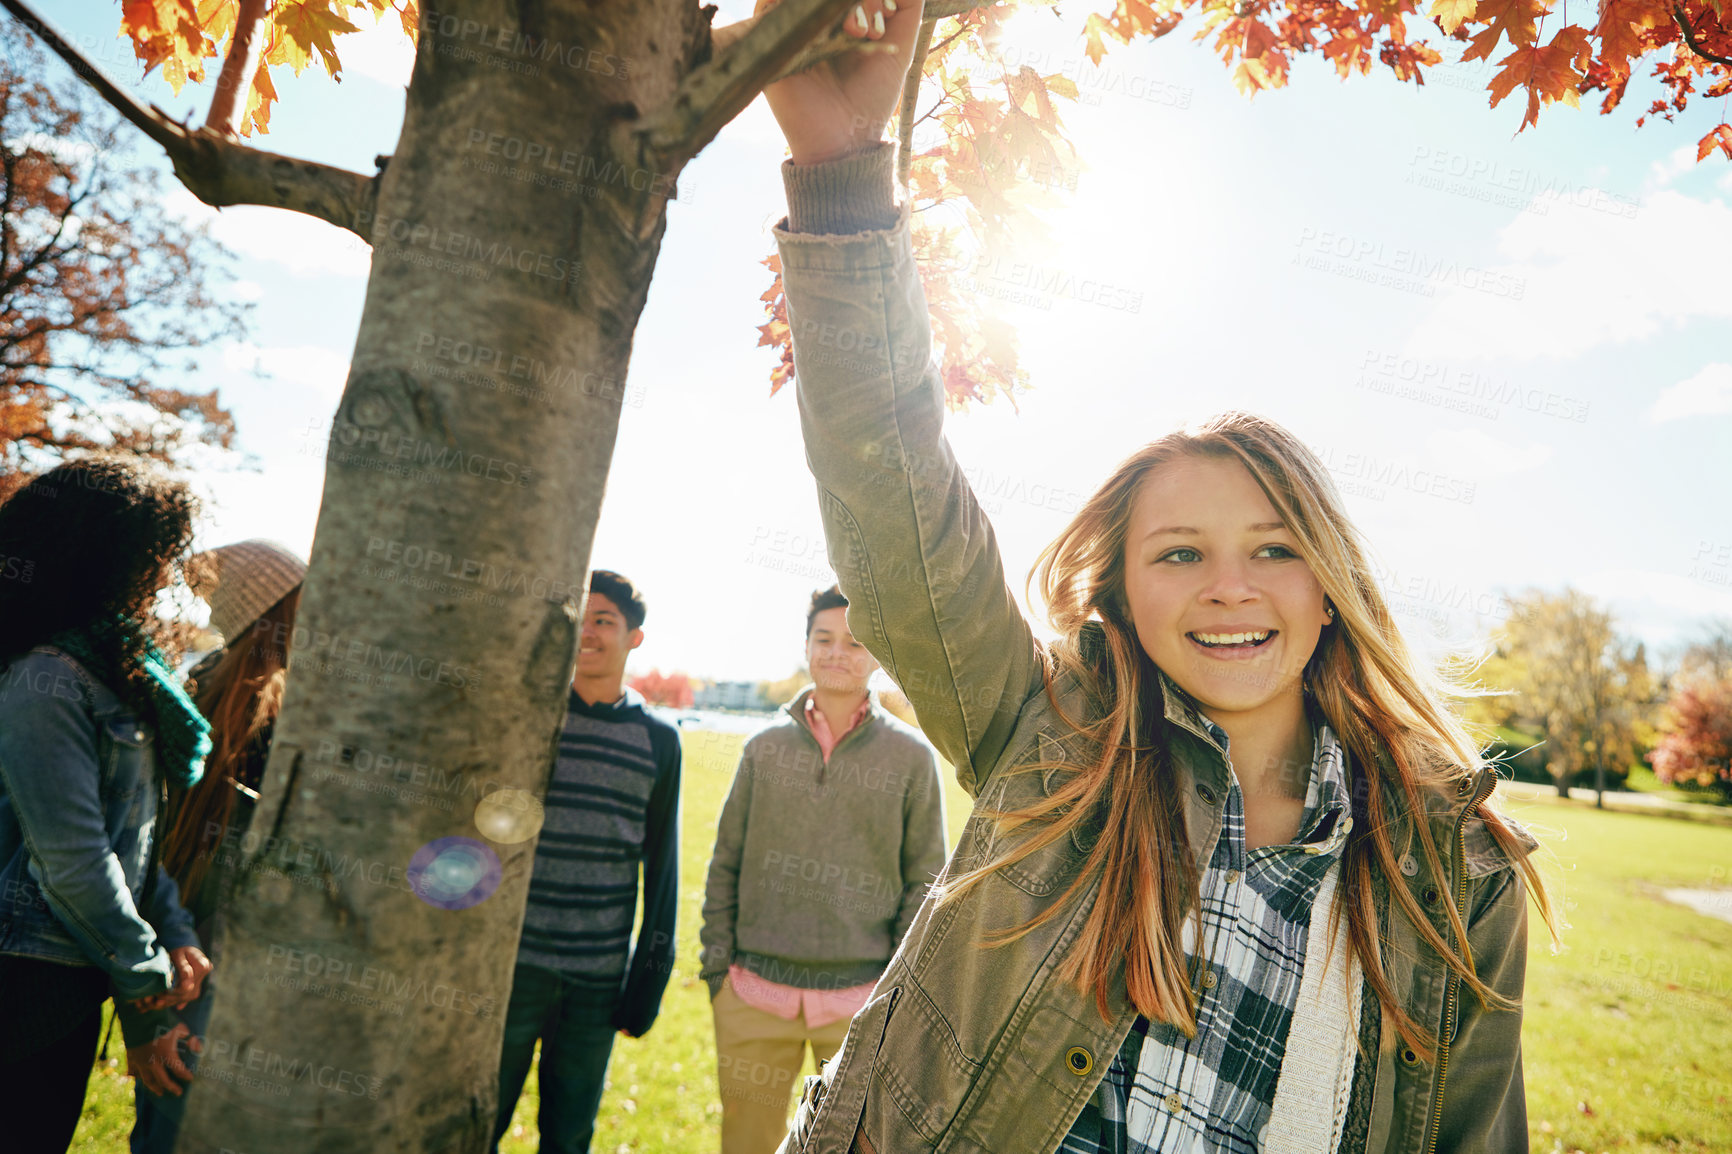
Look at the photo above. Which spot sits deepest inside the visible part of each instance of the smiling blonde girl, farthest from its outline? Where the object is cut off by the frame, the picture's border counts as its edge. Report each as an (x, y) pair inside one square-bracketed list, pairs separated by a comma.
[(1232, 882)]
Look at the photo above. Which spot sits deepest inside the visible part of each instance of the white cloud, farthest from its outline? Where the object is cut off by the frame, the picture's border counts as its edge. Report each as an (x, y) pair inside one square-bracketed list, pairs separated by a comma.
[(1663, 600), (1708, 393), (1679, 161), (310, 366), (381, 52), (304, 245), (1587, 278), (1480, 454)]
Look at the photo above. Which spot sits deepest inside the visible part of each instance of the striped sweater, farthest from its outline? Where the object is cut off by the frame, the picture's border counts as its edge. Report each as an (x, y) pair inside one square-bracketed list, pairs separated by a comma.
[(612, 804)]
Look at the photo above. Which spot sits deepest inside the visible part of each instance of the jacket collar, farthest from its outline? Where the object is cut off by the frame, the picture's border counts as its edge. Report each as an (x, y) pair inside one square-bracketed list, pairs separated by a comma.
[(796, 709)]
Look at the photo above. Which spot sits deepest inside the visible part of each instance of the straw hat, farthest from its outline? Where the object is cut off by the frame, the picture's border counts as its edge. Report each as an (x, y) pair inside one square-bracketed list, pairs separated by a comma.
[(242, 580)]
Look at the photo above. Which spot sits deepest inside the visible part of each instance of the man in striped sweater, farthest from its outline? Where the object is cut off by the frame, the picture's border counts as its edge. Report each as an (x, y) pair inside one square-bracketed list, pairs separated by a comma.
[(612, 803)]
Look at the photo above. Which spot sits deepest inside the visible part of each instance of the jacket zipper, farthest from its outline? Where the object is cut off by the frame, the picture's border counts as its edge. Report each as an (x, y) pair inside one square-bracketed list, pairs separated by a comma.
[(1451, 983), (824, 762)]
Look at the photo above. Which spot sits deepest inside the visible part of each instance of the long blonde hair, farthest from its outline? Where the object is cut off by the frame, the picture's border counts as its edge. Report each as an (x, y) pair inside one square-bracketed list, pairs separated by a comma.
[(1387, 709)]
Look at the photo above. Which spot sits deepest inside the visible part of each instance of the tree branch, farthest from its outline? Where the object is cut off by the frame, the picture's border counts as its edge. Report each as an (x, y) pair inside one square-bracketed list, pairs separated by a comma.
[(749, 58), (228, 106), (215, 168), (910, 95), (837, 42), (1689, 33)]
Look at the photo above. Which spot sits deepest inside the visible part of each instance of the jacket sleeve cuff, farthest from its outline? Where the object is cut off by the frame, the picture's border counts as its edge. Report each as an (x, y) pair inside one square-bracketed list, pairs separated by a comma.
[(853, 194), (138, 1028)]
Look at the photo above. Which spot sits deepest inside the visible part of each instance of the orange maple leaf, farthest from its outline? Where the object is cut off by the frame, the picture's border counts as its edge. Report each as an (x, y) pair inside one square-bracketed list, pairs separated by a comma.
[(1720, 136), (1549, 74), (1514, 19)]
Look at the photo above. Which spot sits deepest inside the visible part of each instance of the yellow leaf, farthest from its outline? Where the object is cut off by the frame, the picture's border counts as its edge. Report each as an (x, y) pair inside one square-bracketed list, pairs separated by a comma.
[(1449, 14), (1061, 86)]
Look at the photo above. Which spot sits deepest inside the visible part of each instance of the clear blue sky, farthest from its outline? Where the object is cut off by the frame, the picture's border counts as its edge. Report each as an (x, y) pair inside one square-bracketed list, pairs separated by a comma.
[(1514, 351)]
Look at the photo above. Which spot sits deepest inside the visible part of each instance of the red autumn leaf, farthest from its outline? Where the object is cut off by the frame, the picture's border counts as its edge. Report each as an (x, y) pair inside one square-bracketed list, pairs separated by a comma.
[(1720, 135)]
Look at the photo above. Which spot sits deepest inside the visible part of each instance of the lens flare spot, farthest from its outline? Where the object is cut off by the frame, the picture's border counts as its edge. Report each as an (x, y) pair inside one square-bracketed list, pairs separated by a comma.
[(454, 873), (508, 816)]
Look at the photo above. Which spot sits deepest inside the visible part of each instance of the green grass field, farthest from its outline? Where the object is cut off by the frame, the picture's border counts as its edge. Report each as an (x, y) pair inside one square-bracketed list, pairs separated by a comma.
[(1628, 1034)]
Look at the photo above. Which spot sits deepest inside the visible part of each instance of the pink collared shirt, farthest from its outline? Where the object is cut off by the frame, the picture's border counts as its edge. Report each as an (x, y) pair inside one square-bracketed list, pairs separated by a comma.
[(821, 1007)]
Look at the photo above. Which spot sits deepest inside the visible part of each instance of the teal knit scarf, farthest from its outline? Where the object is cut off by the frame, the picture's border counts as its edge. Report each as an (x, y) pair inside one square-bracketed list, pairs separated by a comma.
[(182, 733)]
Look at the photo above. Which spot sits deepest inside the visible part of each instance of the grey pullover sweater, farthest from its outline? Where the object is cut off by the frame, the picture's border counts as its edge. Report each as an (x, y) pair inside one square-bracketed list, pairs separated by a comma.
[(818, 869)]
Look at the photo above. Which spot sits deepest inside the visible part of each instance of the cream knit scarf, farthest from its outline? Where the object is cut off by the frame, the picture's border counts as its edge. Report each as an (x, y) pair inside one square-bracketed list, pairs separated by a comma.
[(1316, 1077)]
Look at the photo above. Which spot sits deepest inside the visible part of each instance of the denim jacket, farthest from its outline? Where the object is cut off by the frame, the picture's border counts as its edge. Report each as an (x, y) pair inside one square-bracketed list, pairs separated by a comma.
[(976, 1050), (78, 802)]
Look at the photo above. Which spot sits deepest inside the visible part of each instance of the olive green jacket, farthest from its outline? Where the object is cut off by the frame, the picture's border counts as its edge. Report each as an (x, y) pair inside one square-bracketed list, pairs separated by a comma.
[(971, 1049)]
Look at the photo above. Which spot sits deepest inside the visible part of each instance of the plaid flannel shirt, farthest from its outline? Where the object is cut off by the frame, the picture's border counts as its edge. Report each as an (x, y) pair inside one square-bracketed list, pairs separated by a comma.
[(1213, 1094)]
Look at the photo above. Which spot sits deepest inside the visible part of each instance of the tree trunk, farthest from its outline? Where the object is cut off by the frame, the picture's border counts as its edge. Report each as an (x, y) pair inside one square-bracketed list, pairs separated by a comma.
[(366, 964)]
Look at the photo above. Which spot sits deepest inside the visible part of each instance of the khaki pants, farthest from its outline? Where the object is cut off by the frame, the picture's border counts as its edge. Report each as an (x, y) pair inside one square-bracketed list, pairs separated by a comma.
[(758, 1058)]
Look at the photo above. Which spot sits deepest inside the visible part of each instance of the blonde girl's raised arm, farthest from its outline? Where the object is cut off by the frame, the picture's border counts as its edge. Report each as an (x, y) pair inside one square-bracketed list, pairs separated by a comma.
[(911, 547)]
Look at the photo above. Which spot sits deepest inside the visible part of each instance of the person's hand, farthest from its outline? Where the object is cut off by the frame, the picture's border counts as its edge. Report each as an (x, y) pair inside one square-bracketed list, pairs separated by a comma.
[(839, 105), (157, 1064), (191, 968)]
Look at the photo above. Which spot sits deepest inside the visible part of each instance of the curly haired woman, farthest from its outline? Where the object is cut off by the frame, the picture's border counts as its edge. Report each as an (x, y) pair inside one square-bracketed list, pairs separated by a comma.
[(93, 728)]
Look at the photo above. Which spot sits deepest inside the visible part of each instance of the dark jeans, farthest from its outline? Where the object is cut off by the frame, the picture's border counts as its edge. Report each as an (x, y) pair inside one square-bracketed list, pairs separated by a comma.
[(576, 1031), (42, 1094), (156, 1120), (50, 1015)]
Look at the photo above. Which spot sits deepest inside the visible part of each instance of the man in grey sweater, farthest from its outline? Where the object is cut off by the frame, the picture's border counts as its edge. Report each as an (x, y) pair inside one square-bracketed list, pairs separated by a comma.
[(830, 835)]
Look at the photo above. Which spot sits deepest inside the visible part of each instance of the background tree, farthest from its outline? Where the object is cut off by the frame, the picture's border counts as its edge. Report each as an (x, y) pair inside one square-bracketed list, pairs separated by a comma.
[(102, 293), (1563, 669), (782, 690), (673, 690), (1695, 745), (1710, 656), (522, 211)]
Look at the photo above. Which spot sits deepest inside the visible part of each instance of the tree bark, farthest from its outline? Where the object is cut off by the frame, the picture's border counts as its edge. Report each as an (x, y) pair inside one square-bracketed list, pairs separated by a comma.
[(516, 231)]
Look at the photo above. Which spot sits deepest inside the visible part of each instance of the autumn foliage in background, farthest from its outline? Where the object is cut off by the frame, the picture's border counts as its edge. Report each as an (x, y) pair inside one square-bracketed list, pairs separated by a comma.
[(100, 289), (986, 145), (1002, 150), (1695, 746), (671, 689)]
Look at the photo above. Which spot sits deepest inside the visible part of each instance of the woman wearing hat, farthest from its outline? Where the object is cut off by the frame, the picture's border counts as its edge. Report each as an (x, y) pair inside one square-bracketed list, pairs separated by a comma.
[(253, 588)]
